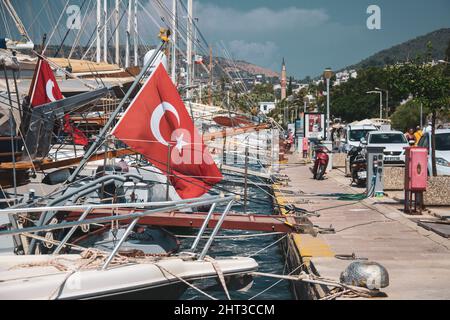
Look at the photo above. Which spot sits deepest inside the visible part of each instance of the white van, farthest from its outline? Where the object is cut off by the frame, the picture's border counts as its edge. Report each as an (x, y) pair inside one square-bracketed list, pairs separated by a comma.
[(354, 133)]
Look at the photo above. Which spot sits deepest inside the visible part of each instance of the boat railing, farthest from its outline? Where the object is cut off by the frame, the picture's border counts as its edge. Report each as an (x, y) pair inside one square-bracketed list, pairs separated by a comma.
[(163, 206)]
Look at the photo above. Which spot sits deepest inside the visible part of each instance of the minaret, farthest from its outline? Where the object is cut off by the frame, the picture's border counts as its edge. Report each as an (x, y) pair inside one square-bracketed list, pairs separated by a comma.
[(283, 81)]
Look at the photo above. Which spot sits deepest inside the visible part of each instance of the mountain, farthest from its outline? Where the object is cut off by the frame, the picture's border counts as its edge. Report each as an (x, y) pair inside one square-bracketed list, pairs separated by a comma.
[(244, 68), (409, 50)]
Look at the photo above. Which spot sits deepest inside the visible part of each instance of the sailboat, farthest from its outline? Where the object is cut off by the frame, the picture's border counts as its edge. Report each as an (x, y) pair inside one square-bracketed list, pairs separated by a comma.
[(62, 225), (150, 277)]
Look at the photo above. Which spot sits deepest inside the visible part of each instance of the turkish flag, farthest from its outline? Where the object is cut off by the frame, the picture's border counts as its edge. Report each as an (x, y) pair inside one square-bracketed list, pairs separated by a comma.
[(77, 135), (157, 125), (45, 89)]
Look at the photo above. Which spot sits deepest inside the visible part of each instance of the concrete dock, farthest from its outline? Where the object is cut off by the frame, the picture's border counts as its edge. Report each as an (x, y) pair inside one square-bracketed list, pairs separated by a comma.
[(417, 260)]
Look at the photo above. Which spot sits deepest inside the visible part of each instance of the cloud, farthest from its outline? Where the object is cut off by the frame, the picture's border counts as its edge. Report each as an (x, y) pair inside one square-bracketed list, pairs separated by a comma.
[(260, 20), (260, 53), (257, 35)]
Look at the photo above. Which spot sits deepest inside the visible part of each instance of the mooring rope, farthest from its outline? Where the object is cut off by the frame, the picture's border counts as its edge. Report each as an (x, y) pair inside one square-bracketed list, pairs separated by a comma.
[(185, 282), (266, 247), (238, 236)]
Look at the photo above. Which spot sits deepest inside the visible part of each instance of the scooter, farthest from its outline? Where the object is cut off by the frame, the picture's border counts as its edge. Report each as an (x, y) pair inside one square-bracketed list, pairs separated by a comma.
[(358, 166), (321, 162)]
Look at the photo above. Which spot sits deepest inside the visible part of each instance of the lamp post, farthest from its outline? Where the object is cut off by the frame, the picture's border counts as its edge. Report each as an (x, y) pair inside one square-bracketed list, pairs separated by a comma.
[(327, 74), (305, 102), (381, 101), (387, 101)]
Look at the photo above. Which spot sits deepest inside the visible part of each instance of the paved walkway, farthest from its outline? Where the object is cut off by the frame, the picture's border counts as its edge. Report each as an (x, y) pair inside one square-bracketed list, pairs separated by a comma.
[(418, 261)]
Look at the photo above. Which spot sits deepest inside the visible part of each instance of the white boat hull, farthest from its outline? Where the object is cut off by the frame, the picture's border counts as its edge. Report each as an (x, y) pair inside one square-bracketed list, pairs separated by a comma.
[(34, 277)]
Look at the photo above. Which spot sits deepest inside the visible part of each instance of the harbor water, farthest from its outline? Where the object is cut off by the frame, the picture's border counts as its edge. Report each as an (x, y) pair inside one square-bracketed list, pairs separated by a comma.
[(270, 260)]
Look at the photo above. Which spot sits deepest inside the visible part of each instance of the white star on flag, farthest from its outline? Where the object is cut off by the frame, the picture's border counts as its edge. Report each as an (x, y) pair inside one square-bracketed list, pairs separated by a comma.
[(180, 143)]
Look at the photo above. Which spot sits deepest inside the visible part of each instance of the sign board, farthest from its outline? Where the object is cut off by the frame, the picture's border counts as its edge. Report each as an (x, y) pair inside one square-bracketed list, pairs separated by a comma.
[(314, 125), (291, 127), (299, 128)]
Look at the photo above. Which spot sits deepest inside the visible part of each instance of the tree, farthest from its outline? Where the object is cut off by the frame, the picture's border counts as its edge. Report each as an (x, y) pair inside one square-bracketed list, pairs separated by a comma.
[(406, 116), (430, 86), (351, 102), (289, 88), (447, 59), (447, 52)]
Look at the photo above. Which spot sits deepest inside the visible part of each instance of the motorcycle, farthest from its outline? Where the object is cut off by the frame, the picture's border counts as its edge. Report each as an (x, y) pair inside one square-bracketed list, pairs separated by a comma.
[(358, 166), (321, 162)]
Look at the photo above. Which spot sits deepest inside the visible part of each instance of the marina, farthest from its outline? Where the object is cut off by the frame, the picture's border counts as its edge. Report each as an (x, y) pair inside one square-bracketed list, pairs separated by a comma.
[(139, 167)]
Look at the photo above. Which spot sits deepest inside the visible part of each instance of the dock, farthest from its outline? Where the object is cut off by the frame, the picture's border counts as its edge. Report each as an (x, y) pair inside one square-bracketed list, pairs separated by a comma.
[(417, 260)]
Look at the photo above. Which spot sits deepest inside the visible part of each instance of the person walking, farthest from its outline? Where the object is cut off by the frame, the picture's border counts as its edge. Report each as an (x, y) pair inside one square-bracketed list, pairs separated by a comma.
[(418, 134), (409, 135), (305, 145)]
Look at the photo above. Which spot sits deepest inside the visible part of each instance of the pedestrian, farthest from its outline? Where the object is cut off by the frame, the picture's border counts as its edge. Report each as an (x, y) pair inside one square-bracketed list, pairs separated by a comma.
[(409, 135), (418, 134), (305, 146), (289, 140)]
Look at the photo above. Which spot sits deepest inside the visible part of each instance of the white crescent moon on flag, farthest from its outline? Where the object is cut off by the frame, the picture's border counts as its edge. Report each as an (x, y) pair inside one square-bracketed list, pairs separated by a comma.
[(156, 119), (49, 90)]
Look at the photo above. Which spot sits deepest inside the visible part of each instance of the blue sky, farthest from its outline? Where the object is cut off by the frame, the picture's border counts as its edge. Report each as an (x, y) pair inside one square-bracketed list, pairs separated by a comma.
[(310, 34)]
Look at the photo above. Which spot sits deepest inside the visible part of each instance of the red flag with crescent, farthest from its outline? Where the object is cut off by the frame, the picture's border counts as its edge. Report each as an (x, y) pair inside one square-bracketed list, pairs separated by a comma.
[(158, 126), (45, 89)]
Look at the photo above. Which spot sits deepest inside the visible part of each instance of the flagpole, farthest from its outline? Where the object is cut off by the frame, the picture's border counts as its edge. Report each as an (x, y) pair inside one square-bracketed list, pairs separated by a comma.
[(99, 139), (168, 173)]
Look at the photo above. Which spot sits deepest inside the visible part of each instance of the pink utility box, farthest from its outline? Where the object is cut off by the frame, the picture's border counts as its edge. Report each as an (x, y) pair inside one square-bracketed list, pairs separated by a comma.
[(416, 175)]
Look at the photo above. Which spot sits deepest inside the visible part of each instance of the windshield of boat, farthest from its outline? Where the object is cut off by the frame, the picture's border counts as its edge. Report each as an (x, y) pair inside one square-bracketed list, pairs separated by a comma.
[(443, 141), (356, 135), (387, 138)]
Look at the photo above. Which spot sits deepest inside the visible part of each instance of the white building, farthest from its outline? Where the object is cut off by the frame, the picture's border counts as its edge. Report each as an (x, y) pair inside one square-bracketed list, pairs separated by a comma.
[(344, 76), (266, 107)]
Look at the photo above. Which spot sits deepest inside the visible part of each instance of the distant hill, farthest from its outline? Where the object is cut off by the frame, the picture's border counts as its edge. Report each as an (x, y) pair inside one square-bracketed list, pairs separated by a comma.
[(408, 50), (244, 68)]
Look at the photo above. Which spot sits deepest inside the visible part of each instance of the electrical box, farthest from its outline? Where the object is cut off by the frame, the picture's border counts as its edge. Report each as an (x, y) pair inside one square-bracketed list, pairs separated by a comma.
[(416, 162), (375, 170)]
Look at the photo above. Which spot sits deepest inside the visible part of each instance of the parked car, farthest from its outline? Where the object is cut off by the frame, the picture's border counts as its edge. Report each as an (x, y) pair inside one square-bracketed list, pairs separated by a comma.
[(442, 151), (393, 142), (354, 133)]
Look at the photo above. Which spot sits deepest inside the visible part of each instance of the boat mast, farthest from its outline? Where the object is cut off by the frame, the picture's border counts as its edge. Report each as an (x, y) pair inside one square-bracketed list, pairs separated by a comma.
[(99, 17), (194, 53), (189, 49), (105, 32), (117, 13), (174, 41), (210, 77), (127, 48), (17, 21), (135, 34)]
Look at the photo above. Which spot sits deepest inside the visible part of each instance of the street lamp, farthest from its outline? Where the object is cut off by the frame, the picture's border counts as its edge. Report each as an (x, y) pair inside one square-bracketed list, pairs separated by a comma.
[(327, 74), (387, 101), (381, 101), (305, 102)]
